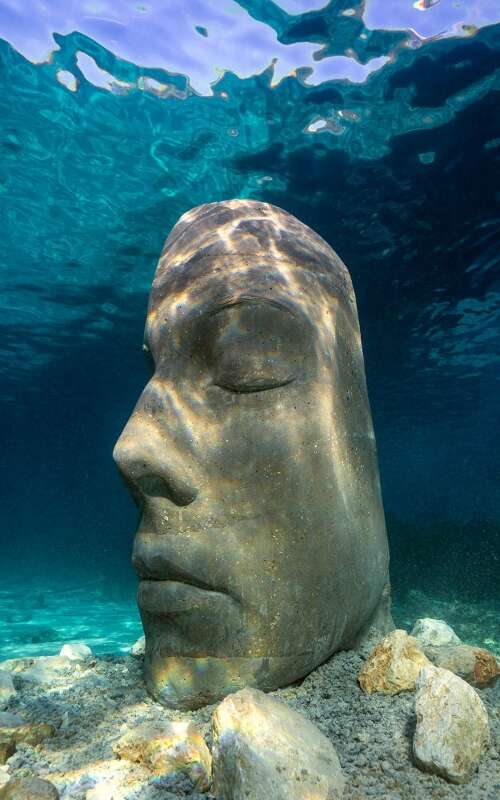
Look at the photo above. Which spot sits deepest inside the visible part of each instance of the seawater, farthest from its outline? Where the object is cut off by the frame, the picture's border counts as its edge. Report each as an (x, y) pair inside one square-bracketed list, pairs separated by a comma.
[(398, 170)]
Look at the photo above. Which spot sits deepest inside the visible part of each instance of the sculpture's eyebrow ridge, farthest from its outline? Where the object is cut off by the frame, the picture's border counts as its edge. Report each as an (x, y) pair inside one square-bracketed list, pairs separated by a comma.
[(203, 316)]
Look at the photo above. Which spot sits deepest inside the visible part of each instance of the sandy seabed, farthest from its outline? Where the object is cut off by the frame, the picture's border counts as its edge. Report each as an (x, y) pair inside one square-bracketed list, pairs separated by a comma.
[(91, 704)]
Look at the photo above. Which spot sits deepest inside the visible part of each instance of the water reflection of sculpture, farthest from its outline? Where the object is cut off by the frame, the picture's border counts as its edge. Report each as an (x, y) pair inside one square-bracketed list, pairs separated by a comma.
[(262, 545)]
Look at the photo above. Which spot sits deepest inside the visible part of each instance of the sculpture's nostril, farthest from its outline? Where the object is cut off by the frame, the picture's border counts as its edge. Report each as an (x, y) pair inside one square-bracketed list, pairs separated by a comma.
[(152, 478), (151, 485)]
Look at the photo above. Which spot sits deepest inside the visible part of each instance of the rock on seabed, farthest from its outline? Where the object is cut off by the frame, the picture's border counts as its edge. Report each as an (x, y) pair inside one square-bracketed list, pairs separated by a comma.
[(139, 647), (13, 731), (28, 789), (452, 725), (263, 749), (393, 665), (475, 665), (49, 670), (434, 632), (76, 651), (168, 748), (7, 689)]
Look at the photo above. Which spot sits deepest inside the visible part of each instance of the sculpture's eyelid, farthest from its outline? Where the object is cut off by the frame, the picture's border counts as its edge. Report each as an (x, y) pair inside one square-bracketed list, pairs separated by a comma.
[(243, 388), (251, 301), (245, 381)]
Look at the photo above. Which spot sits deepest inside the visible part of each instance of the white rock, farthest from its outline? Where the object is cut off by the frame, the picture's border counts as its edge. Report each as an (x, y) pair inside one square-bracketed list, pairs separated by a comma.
[(76, 651), (42, 670), (168, 748), (264, 749), (452, 725), (434, 632), (4, 775), (106, 791), (139, 647), (7, 688)]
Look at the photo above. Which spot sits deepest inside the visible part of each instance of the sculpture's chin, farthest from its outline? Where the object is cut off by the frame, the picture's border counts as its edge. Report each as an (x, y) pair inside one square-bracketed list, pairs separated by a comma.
[(199, 649), (199, 646), (189, 683)]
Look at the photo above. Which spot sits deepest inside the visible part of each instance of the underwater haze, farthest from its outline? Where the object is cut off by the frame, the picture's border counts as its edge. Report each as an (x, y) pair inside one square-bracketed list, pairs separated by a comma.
[(377, 124)]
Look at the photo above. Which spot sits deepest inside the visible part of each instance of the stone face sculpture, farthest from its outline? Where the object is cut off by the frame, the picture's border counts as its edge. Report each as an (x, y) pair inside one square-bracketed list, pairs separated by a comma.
[(262, 546)]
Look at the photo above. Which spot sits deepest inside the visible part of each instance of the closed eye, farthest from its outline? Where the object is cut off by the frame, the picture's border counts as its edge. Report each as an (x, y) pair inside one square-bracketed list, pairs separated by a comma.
[(251, 371), (246, 387)]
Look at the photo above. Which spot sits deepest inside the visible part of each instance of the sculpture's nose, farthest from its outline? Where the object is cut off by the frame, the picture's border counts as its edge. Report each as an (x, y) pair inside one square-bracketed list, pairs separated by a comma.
[(154, 461)]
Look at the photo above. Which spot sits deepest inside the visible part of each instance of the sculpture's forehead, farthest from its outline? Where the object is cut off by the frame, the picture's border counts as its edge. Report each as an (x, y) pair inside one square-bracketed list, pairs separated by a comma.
[(221, 250), (245, 227)]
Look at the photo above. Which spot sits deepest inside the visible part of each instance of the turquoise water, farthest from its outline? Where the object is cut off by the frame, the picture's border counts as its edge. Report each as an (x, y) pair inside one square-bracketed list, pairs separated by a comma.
[(387, 144)]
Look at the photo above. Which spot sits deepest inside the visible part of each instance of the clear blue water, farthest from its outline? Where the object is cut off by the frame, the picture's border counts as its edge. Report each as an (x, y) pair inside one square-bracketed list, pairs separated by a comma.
[(389, 148)]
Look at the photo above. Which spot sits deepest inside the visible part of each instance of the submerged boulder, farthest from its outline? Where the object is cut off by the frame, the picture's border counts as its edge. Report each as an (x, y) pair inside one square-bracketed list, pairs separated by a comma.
[(28, 789), (475, 665), (40, 670), (7, 746), (264, 749), (394, 664), (452, 725), (139, 647), (14, 731), (434, 632), (8, 724), (7, 688), (76, 651), (167, 748), (32, 733)]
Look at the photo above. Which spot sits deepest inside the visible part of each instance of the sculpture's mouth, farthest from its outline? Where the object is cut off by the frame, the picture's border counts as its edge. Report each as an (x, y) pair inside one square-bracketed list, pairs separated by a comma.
[(168, 597), (154, 567), (179, 580)]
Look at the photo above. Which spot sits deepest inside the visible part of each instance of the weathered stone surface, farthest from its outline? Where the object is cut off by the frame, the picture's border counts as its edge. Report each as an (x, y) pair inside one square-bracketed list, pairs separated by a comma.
[(138, 648), (28, 789), (41, 670), (7, 746), (32, 733), (452, 725), (475, 665), (16, 731), (434, 632), (264, 749), (77, 651), (167, 748), (394, 664), (7, 688), (8, 724), (107, 790), (219, 611)]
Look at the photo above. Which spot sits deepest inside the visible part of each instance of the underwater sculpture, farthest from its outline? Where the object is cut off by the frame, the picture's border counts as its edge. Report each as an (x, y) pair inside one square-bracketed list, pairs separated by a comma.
[(262, 546)]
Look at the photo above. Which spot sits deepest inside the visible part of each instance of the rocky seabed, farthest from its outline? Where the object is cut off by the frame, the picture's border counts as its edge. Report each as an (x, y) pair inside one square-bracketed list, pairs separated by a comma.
[(408, 717)]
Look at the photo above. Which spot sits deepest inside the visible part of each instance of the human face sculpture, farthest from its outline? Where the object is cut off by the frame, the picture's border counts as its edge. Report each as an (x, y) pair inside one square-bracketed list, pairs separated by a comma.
[(261, 548)]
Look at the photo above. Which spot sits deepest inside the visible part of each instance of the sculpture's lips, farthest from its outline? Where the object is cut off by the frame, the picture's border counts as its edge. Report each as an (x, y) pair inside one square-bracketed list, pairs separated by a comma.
[(165, 597), (153, 564)]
